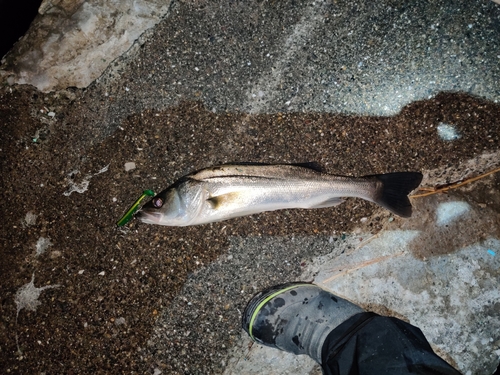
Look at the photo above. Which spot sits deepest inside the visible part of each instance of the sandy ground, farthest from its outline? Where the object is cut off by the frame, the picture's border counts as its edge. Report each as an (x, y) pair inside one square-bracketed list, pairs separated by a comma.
[(201, 90)]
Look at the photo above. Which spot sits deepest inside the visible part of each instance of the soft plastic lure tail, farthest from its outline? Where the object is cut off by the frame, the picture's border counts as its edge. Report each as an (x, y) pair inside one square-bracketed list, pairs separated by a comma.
[(126, 218)]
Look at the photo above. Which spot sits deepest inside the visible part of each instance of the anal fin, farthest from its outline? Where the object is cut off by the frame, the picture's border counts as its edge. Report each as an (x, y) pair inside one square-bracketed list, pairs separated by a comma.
[(329, 203)]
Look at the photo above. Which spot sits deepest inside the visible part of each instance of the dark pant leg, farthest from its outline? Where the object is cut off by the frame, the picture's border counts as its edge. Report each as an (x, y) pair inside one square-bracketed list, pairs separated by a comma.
[(370, 344)]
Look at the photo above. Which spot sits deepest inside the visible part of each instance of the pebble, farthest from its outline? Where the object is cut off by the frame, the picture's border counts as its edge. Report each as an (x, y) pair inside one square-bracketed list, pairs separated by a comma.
[(129, 166)]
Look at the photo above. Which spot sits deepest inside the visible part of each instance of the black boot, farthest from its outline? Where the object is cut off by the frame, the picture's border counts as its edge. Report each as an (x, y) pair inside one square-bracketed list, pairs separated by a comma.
[(296, 317)]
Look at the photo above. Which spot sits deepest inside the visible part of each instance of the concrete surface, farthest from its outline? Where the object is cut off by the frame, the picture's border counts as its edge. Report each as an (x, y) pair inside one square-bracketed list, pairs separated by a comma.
[(359, 89), (438, 271)]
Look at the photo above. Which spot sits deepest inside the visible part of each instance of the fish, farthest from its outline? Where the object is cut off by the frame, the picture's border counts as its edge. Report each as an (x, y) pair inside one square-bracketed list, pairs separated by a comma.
[(233, 190)]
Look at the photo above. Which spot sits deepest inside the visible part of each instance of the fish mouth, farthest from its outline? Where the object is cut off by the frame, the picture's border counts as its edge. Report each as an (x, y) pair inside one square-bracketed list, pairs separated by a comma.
[(149, 217)]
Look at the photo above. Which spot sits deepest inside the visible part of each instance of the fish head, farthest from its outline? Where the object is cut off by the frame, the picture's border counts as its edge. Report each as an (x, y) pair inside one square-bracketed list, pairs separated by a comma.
[(166, 208)]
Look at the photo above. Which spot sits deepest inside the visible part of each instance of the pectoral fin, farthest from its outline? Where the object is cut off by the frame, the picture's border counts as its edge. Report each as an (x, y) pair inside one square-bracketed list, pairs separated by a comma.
[(329, 203), (221, 200)]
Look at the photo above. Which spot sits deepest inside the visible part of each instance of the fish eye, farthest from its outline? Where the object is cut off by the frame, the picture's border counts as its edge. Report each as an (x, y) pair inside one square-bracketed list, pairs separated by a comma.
[(157, 202)]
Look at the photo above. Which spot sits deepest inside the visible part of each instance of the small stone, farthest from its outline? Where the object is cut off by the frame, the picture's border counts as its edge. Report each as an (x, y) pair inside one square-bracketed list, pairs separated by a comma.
[(129, 166), (55, 254)]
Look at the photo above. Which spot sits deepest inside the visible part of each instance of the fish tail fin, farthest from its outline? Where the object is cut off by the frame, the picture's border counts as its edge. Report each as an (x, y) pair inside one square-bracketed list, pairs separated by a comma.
[(394, 190)]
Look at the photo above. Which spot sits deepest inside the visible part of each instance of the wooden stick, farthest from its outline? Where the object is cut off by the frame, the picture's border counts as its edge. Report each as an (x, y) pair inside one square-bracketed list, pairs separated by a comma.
[(453, 185), (362, 265)]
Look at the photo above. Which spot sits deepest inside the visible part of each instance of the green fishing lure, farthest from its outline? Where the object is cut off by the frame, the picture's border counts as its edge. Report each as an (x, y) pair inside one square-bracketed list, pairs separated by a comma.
[(131, 211)]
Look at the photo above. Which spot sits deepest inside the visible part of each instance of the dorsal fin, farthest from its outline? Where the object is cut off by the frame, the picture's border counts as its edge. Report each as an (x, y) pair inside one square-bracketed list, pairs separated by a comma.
[(315, 166)]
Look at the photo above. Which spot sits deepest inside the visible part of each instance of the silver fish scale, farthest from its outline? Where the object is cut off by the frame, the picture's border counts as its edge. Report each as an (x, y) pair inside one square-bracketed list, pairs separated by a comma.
[(281, 188), (229, 191), (232, 196)]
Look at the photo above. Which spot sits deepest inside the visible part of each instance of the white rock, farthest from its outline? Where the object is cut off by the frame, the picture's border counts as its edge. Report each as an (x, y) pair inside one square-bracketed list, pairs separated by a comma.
[(72, 42), (129, 166)]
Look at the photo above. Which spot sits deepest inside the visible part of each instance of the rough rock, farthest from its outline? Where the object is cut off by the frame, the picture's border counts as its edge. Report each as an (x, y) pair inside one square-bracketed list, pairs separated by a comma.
[(72, 42)]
